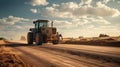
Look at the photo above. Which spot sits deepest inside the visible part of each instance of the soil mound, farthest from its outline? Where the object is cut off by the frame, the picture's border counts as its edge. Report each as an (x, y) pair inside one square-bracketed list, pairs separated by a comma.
[(10, 59)]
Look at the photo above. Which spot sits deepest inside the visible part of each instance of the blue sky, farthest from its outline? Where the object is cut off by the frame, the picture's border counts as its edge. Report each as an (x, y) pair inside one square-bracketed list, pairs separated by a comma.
[(73, 18)]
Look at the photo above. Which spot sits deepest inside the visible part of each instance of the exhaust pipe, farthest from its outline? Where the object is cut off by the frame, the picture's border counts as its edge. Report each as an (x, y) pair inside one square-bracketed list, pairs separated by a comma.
[(52, 24)]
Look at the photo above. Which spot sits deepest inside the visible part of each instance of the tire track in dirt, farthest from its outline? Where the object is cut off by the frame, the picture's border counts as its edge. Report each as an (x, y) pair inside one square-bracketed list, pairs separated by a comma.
[(30, 58), (61, 59), (93, 54), (60, 62), (55, 59), (80, 59)]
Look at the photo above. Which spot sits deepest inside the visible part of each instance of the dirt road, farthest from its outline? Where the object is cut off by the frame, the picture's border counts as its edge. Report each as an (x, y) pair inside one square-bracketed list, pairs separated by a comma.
[(49, 55), (53, 58)]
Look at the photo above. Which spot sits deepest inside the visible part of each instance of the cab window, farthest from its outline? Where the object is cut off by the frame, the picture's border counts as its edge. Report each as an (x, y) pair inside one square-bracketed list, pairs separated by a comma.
[(36, 25), (43, 24)]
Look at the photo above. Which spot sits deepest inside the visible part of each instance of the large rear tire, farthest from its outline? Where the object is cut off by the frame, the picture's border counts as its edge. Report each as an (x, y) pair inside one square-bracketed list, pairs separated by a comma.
[(55, 41), (39, 39), (30, 38), (44, 38)]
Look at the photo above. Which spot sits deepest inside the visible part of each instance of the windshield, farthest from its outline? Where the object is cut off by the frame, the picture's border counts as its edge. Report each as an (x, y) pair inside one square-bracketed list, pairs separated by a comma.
[(43, 24), (40, 24)]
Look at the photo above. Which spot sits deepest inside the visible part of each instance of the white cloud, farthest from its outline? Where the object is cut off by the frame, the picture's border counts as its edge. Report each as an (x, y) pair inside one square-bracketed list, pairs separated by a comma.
[(86, 2), (62, 24), (13, 25), (74, 23), (71, 9), (70, 5), (80, 15), (10, 20), (106, 1), (79, 22), (18, 27), (34, 10), (63, 10), (99, 20), (38, 2), (103, 10)]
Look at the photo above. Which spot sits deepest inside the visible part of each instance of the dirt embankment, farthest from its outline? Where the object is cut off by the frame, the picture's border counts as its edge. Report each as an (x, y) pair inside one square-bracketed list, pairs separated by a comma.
[(97, 42), (9, 58), (2, 42)]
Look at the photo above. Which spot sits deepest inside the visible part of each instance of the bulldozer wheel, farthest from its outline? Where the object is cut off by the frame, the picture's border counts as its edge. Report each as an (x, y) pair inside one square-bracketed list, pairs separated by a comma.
[(44, 38), (39, 39), (30, 38), (55, 42)]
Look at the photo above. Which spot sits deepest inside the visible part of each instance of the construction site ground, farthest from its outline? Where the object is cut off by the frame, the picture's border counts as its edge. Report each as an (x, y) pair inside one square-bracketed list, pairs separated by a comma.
[(20, 54)]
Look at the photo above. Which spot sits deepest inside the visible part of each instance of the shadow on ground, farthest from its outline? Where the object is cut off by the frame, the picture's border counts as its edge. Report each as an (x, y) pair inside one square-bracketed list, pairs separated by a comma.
[(13, 44)]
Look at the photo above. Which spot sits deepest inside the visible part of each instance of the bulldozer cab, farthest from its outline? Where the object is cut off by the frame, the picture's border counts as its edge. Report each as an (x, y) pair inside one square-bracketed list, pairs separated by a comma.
[(41, 23)]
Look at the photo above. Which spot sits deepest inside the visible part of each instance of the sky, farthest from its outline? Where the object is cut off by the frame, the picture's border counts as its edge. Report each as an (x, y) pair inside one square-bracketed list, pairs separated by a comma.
[(72, 18)]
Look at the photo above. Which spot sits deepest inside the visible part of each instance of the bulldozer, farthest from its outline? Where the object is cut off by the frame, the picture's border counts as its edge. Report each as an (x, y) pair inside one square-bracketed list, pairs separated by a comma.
[(42, 33)]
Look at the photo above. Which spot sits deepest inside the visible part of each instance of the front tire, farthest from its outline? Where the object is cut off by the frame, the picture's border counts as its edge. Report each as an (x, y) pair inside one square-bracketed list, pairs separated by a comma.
[(55, 41), (39, 39), (30, 38)]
